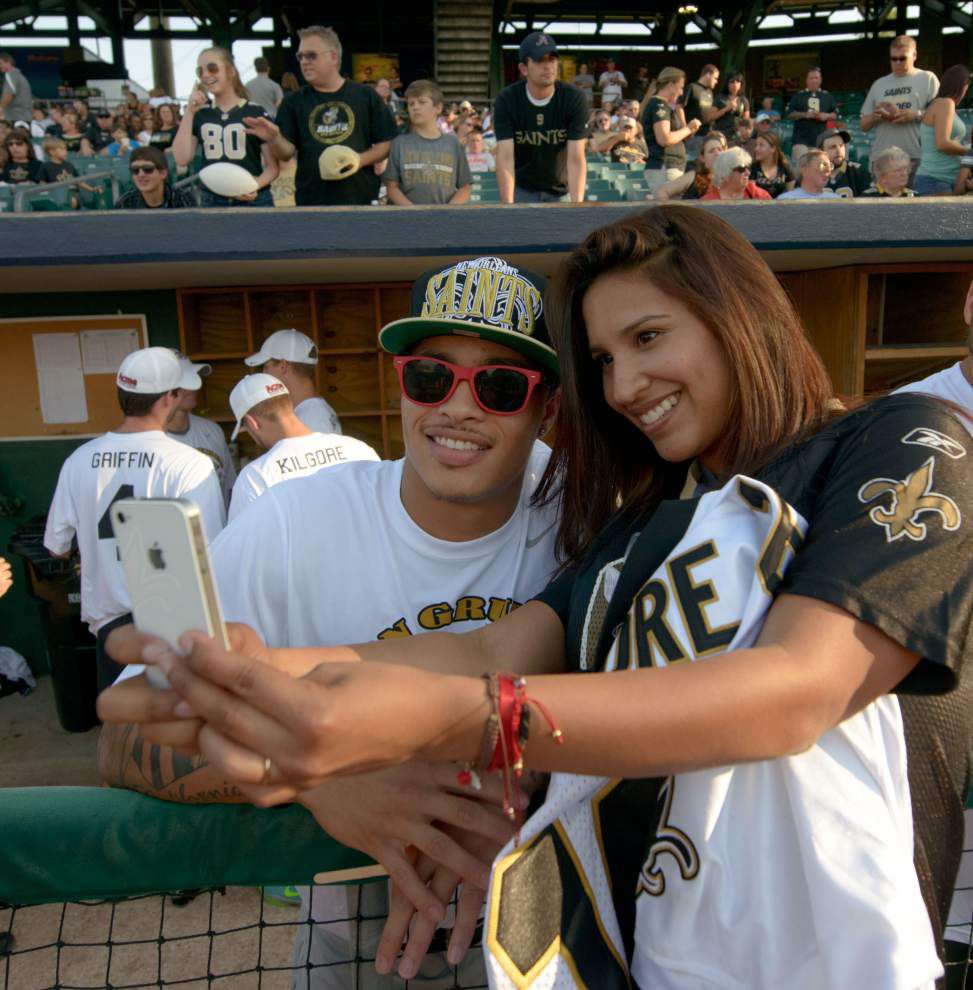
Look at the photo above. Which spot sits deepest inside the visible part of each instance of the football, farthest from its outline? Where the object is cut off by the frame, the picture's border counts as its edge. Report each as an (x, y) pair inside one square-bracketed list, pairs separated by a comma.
[(225, 179)]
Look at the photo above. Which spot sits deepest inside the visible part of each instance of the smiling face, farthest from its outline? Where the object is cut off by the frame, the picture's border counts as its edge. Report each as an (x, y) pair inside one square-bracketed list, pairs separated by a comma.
[(458, 454), (662, 368), (712, 148), (211, 73)]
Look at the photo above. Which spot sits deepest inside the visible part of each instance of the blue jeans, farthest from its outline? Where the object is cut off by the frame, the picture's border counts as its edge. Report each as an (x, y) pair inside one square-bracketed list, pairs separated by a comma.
[(522, 195), (210, 199), (926, 185)]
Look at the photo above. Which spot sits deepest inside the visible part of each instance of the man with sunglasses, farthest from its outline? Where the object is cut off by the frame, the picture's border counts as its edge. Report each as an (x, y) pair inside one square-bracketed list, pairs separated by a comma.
[(329, 111), (895, 103), (446, 538), (151, 190)]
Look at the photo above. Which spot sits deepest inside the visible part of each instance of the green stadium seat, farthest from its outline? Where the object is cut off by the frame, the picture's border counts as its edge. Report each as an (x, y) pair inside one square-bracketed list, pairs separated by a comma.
[(6, 199), (485, 196), (42, 200), (609, 195)]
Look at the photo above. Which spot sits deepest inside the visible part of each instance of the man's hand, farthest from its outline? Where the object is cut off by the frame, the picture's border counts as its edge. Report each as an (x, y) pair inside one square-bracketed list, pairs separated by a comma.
[(261, 127)]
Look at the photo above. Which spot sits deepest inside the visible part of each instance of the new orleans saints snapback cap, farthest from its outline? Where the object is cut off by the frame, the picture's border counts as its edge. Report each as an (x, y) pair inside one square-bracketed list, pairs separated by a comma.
[(487, 298)]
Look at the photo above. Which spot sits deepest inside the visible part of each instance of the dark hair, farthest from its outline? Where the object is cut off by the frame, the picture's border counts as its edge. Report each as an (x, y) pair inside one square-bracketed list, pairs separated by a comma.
[(149, 153), (138, 403), (780, 389), (261, 64), (733, 77), (289, 83), (955, 79), (7, 57), (783, 162), (23, 135)]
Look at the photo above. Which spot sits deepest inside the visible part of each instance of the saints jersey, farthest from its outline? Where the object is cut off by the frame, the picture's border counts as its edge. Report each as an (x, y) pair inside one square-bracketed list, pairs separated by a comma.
[(295, 457), (223, 137), (830, 868), (208, 438), (114, 466)]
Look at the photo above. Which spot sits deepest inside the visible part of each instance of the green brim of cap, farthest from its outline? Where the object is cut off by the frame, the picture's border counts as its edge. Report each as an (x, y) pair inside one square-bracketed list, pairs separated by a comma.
[(400, 336)]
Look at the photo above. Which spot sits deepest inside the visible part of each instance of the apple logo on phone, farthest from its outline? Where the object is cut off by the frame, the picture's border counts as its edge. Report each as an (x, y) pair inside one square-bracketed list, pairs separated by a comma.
[(155, 557)]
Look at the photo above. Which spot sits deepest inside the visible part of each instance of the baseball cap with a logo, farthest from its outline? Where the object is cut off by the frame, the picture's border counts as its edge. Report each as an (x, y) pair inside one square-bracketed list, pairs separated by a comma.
[(285, 345), (251, 391), (486, 298), (150, 371), (192, 374), (535, 46), (338, 162)]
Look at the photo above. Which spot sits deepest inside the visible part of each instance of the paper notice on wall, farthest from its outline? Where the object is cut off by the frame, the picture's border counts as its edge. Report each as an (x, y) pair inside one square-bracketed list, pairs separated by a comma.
[(102, 351), (60, 380)]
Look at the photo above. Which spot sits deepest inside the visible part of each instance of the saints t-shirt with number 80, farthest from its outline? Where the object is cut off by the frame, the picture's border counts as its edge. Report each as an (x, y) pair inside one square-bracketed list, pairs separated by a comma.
[(223, 137), (147, 464)]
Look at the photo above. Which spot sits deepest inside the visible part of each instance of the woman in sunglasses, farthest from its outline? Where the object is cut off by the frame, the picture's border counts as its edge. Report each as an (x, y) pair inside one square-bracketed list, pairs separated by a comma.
[(220, 131), (760, 595), (731, 177), (22, 164)]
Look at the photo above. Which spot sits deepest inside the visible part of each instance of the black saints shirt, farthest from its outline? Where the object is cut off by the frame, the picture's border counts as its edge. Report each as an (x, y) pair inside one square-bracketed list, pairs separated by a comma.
[(52, 172), (806, 131), (662, 156), (223, 137), (17, 172), (540, 134), (353, 116)]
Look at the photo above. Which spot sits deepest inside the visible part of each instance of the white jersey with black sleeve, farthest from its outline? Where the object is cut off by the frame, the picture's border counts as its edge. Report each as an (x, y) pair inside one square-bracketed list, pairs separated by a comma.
[(146, 464)]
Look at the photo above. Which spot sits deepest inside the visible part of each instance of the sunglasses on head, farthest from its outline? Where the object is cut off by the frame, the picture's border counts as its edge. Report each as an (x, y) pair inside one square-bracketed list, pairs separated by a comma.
[(212, 68), (497, 388), (143, 169)]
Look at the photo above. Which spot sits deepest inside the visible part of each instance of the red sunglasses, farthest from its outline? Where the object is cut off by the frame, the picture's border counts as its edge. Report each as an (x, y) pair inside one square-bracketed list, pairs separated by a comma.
[(499, 389)]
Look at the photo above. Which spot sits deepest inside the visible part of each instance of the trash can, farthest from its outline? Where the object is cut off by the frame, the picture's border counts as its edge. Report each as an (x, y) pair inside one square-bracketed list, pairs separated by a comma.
[(55, 583)]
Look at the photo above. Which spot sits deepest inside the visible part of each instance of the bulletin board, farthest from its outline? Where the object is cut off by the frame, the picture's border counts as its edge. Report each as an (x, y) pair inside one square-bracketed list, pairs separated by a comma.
[(57, 375)]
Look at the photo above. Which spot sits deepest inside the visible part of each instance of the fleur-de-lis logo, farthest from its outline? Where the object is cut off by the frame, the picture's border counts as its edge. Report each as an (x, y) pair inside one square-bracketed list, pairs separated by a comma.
[(671, 841), (911, 499)]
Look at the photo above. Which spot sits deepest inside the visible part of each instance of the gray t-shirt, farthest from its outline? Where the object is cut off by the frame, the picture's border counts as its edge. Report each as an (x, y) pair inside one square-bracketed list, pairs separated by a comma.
[(586, 83), (22, 105), (429, 170), (265, 93), (913, 92)]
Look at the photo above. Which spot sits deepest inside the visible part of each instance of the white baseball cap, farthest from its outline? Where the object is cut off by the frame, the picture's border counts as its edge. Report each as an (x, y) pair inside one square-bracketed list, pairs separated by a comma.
[(192, 374), (285, 345), (149, 371), (251, 391)]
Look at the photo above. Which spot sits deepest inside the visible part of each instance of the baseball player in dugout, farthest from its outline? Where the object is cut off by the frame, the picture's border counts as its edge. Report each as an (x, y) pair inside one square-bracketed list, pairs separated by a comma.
[(290, 356), (136, 460), (263, 407), (202, 434), (448, 538)]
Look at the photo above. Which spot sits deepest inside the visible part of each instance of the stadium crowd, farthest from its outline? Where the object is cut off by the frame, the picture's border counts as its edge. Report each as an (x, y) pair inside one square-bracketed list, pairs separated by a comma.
[(542, 139)]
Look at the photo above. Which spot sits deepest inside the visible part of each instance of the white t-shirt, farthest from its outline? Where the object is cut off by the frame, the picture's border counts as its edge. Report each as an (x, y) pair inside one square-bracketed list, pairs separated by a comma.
[(949, 384), (295, 457), (481, 161), (208, 438), (912, 92), (800, 193), (317, 415), (122, 465), (611, 84)]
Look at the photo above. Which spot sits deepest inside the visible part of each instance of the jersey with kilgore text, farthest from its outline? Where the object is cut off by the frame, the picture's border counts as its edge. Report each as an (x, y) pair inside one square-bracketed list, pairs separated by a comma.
[(295, 457), (540, 134), (114, 466), (223, 137), (797, 871)]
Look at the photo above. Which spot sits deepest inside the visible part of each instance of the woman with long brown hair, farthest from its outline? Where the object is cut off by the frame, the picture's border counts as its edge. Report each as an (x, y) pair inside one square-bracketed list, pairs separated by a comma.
[(771, 170), (760, 591), (166, 125), (221, 131), (695, 183)]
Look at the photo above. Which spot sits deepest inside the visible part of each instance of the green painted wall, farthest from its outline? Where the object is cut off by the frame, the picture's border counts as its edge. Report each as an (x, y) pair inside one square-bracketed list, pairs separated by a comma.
[(29, 469)]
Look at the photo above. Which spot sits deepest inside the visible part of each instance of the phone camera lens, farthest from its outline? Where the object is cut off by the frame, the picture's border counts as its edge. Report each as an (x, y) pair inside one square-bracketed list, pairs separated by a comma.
[(121, 517)]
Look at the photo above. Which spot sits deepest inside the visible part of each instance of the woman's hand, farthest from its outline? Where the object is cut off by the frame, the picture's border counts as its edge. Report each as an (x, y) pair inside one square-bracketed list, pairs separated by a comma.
[(341, 718), (198, 99), (248, 197)]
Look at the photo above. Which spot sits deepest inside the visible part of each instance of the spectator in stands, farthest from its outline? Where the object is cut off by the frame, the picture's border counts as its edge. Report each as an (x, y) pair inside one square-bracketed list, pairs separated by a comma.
[(730, 107), (464, 127), (5, 130), (745, 138), (584, 81), (262, 90), (601, 135), (698, 103), (630, 108), (763, 123), (16, 98), (384, 89), (55, 167), (810, 109), (73, 136), (612, 83), (630, 148), (964, 181), (144, 136), (848, 179), (22, 164), (85, 119), (289, 83), (695, 184), (426, 166), (477, 157), (40, 122), (731, 177), (57, 116), (769, 107), (152, 191), (166, 126), (224, 130), (329, 112), (941, 134), (891, 169), (815, 169), (641, 85), (121, 144), (895, 103), (136, 124), (666, 129), (771, 170), (540, 127), (100, 135)]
